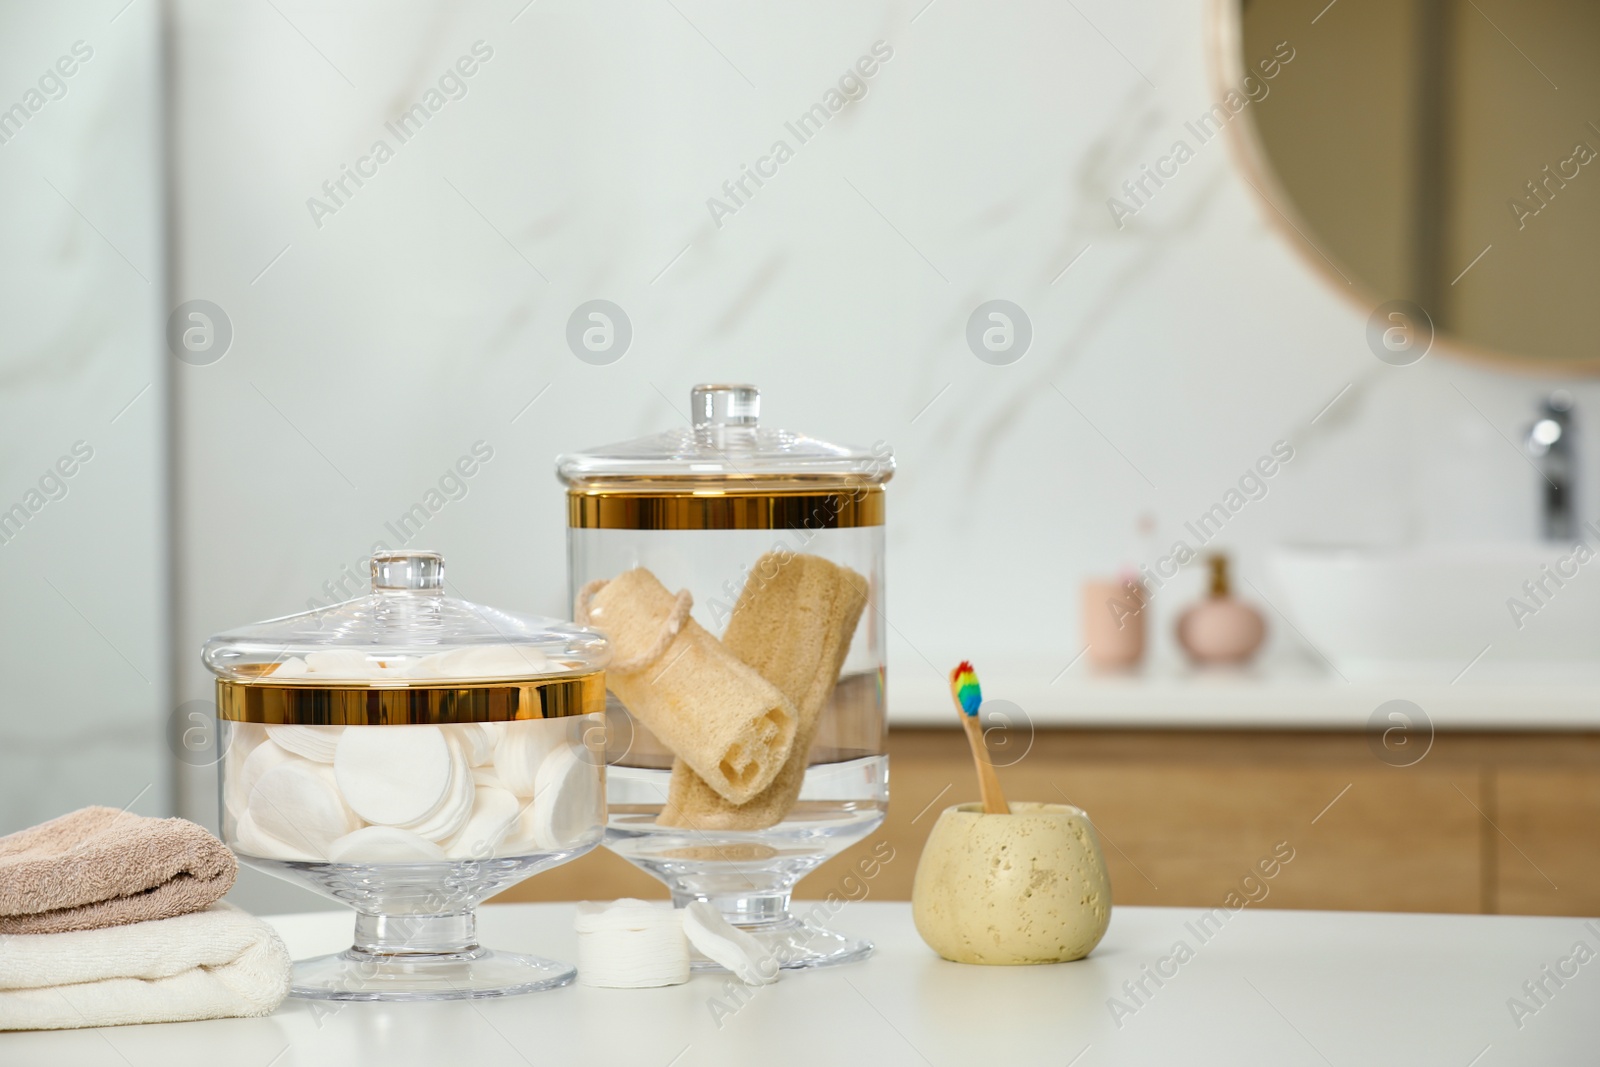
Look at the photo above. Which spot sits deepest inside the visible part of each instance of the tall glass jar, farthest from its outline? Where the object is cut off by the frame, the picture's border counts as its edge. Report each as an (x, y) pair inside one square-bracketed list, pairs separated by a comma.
[(738, 573), (409, 754)]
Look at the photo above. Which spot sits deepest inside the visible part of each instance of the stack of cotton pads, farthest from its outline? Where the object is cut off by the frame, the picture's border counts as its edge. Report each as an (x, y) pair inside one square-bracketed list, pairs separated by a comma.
[(634, 944), (631, 944), (411, 794)]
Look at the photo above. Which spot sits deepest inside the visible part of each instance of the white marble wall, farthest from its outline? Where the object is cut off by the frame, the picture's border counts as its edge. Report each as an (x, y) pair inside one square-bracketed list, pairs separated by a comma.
[(376, 343), (83, 410)]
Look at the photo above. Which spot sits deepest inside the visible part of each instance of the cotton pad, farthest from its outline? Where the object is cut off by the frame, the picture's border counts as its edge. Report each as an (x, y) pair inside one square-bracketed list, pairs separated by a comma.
[(298, 803), (430, 666), (252, 842), (393, 774), (243, 739), (261, 759), (520, 750), (476, 740), (485, 777), (384, 844), (630, 944), (728, 946), (316, 743), (494, 813), (567, 800), (293, 667), (348, 663), (451, 815), (501, 661), (482, 661)]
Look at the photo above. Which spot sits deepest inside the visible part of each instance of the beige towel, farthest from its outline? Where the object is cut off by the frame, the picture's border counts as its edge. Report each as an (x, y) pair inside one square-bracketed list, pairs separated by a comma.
[(99, 867), (220, 963), (793, 623)]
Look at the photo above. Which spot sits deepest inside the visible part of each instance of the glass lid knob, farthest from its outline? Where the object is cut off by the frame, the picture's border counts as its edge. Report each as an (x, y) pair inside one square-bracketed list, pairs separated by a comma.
[(725, 405), (408, 572)]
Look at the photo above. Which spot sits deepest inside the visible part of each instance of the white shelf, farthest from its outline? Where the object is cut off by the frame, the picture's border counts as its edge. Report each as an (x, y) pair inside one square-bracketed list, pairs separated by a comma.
[(1278, 697)]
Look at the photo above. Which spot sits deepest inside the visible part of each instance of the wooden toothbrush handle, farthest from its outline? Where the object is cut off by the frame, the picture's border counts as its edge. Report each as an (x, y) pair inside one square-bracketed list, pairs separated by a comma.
[(994, 801)]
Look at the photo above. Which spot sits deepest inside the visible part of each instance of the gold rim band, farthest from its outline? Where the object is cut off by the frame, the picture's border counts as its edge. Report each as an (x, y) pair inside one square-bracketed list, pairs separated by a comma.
[(304, 705), (725, 511)]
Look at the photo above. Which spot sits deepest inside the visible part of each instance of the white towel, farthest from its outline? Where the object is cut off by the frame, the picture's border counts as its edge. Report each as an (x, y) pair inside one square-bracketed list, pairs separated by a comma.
[(213, 964)]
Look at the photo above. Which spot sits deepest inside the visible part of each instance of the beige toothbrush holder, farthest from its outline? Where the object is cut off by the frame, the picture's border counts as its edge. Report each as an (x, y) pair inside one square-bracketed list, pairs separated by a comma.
[(1029, 887)]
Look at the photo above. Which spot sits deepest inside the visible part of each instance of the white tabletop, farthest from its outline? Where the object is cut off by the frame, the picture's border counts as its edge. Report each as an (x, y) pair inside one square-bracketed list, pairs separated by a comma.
[(1272, 987)]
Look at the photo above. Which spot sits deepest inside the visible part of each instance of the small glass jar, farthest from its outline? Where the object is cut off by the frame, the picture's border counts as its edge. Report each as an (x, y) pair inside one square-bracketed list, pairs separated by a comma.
[(738, 573), (411, 754)]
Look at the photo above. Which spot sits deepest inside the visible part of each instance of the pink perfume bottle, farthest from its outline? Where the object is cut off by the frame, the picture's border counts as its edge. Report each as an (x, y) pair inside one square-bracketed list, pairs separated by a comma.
[(1220, 629)]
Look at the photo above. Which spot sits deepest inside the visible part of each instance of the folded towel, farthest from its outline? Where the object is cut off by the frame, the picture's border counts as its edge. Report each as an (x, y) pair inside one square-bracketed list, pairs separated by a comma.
[(99, 867), (215, 964)]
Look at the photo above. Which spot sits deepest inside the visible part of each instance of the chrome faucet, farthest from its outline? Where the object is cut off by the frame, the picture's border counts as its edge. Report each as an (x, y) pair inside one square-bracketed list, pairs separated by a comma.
[(1549, 443)]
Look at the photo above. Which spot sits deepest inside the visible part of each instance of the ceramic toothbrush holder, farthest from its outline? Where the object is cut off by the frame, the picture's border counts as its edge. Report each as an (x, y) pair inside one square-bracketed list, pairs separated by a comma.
[(1029, 887)]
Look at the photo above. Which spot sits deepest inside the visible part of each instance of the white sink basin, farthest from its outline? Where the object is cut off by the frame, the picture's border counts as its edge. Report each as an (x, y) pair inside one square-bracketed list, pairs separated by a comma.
[(1427, 613)]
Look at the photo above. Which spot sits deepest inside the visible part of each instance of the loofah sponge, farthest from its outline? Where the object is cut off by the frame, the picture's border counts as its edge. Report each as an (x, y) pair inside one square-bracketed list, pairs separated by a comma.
[(794, 628), (719, 716)]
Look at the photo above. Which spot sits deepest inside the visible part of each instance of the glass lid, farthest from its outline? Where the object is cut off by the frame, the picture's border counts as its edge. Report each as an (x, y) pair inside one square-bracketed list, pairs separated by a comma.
[(405, 633), (726, 444)]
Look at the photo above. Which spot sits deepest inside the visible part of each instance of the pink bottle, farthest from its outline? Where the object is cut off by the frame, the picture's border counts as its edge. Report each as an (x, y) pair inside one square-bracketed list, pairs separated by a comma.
[(1221, 629)]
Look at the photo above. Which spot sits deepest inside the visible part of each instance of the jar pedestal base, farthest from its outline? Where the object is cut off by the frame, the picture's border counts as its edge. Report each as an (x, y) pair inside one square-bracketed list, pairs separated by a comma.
[(352, 975), (423, 957)]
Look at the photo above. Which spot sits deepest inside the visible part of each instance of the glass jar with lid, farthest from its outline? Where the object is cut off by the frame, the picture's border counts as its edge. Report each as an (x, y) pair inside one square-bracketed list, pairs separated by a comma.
[(410, 754), (738, 572)]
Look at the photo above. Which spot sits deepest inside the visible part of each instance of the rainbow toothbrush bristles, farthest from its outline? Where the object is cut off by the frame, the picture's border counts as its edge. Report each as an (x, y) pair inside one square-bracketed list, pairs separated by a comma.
[(964, 684), (968, 698)]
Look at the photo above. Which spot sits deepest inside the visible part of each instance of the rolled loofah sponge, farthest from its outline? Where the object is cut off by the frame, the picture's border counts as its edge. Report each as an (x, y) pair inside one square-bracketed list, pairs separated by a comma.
[(794, 628), (719, 716)]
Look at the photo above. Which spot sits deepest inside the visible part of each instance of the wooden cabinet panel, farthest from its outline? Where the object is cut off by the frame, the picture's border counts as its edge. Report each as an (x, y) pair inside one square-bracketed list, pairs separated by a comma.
[(1184, 824), (1547, 847), (1185, 817)]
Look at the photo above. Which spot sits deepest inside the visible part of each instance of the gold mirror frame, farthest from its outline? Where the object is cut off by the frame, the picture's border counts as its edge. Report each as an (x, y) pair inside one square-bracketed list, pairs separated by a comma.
[(1226, 69)]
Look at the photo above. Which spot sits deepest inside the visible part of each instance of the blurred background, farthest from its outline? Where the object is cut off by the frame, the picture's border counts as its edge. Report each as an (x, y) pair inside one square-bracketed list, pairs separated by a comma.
[(269, 268)]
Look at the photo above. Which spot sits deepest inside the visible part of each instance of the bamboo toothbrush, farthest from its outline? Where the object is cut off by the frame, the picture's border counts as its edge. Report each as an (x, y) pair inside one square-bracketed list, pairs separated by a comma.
[(969, 697)]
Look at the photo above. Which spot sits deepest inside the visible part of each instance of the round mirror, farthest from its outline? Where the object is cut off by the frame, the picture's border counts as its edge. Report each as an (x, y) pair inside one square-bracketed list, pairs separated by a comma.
[(1440, 152)]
